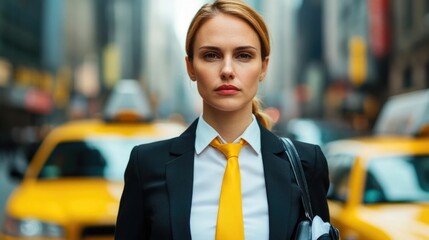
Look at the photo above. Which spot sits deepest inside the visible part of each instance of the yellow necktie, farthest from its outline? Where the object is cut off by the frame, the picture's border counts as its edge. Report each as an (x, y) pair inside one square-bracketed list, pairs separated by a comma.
[(230, 224)]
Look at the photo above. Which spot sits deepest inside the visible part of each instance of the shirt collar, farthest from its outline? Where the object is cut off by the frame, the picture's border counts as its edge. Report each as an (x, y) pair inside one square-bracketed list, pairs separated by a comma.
[(206, 133)]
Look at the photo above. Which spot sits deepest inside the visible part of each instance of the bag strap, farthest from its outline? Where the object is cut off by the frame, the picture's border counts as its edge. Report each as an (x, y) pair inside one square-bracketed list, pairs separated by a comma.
[(298, 171)]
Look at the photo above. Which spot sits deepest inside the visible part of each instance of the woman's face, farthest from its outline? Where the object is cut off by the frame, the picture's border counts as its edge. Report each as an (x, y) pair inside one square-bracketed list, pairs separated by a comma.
[(227, 64)]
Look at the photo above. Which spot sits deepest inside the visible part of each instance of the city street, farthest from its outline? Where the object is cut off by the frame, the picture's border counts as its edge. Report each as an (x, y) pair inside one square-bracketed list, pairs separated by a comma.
[(85, 83)]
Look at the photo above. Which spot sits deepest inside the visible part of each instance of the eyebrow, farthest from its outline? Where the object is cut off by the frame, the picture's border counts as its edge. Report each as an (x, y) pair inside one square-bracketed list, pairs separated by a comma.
[(236, 49)]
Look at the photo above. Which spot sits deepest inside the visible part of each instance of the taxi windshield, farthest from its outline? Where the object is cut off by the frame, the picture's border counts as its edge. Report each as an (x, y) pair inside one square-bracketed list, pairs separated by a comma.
[(100, 158), (398, 179)]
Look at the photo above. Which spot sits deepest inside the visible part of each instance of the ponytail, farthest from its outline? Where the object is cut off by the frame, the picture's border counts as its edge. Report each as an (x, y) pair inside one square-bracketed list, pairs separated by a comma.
[(262, 117)]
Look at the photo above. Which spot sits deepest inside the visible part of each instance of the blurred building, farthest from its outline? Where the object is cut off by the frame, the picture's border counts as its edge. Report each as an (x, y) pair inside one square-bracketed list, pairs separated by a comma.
[(409, 66), (310, 78), (30, 57), (373, 49), (277, 88), (334, 59), (357, 43), (59, 59)]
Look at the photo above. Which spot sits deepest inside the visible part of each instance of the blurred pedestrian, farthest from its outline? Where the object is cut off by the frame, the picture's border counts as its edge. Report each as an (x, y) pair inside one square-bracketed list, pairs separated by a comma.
[(184, 188)]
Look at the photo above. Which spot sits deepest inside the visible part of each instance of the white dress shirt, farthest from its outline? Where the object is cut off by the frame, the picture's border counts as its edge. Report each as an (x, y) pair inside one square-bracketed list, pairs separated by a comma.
[(209, 167)]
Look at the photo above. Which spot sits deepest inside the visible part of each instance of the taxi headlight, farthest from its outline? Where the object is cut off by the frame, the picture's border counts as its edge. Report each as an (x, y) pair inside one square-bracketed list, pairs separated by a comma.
[(31, 228)]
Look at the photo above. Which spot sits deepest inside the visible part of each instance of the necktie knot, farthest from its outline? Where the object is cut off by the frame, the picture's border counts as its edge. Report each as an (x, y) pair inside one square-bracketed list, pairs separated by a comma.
[(228, 149)]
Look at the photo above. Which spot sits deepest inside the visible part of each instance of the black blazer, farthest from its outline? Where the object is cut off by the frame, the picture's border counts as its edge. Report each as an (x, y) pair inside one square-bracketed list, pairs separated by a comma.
[(156, 200)]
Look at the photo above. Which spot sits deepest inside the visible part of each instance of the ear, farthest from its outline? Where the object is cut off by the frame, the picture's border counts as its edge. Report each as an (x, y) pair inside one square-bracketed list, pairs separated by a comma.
[(264, 68), (190, 68)]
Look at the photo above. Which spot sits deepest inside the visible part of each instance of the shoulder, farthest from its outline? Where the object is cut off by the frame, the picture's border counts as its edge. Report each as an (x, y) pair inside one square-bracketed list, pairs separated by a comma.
[(175, 145), (307, 150), (152, 149), (156, 145), (149, 159), (312, 158), (313, 161)]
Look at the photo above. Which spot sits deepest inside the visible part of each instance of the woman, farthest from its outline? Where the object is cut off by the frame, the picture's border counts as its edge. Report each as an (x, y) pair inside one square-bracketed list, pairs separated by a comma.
[(173, 187)]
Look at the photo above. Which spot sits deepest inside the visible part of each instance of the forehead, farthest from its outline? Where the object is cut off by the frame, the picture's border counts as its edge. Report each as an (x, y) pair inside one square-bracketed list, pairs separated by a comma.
[(223, 27)]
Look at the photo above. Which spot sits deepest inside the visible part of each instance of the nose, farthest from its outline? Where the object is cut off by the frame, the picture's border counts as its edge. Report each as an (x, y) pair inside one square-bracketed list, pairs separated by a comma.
[(227, 71)]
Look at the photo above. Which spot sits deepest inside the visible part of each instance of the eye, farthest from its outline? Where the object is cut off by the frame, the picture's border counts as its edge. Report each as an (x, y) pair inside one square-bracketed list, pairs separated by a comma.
[(244, 56), (210, 56)]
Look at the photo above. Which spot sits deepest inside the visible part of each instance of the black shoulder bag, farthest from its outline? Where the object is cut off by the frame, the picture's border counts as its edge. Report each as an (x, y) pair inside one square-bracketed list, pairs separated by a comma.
[(303, 231)]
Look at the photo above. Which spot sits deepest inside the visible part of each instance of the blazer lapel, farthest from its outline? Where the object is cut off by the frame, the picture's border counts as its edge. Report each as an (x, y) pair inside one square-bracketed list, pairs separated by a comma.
[(278, 183), (179, 175)]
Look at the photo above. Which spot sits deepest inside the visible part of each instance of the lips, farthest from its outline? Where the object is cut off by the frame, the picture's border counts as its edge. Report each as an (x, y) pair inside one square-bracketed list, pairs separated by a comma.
[(227, 89)]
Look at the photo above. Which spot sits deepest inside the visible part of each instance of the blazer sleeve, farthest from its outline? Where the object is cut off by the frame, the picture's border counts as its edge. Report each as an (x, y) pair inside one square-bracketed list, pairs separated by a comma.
[(130, 222), (317, 175)]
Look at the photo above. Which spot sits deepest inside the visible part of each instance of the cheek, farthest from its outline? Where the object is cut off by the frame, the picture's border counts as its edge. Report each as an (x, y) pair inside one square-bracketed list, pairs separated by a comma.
[(251, 77), (205, 76), (203, 80)]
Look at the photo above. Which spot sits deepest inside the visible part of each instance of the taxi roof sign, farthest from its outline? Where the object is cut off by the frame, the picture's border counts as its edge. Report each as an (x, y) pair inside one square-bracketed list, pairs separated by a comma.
[(404, 114), (128, 102)]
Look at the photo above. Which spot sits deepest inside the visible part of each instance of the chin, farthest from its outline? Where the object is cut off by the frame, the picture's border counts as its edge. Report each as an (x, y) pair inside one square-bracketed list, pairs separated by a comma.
[(230, 107)]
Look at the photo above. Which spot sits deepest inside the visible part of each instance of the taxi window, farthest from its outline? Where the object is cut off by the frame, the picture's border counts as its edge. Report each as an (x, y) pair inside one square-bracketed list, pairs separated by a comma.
[(105, 158), (397, 179), (339, 174)]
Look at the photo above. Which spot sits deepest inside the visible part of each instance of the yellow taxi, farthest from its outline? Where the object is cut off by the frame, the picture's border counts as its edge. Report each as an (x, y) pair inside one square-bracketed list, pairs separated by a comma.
[(380, 183), (380, 187), (72, 187)]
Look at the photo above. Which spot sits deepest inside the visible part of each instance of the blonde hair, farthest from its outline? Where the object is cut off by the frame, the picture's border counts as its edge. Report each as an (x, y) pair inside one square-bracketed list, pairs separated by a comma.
[(243, 11), (262, 117)]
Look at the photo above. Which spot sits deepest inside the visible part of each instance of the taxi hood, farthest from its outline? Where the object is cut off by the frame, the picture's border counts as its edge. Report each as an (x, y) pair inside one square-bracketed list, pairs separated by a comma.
[(77, 200), (399, 221)]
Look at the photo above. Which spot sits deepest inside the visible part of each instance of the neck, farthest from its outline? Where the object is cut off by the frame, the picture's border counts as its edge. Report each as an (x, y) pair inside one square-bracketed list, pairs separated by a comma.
[(229, 125)]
